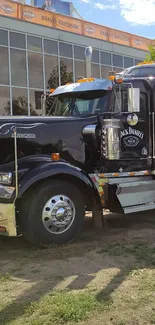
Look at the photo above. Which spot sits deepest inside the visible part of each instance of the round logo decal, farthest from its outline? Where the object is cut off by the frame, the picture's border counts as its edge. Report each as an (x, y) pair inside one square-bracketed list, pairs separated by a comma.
[(131, 141), (132, 119)]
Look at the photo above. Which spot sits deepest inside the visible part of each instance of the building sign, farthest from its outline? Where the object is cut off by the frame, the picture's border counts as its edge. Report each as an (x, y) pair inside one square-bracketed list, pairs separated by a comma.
[(8, 8), (51, 18)]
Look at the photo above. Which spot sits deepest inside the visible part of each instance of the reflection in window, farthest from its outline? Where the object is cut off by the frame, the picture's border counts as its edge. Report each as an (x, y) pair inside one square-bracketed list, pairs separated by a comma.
[(143, 72), (19, 101), (66, 70), (3, 37), (65, 50), (128, 62), (18, 68), (50, 47), (106, 58), (34, 43), (95, 71), (35, 61), (35, 102), (17, 40), (117, 60), (79, 52), (87, 104), (79, 69), (4, 75), (5, 101), (105, 72), (51, 71)]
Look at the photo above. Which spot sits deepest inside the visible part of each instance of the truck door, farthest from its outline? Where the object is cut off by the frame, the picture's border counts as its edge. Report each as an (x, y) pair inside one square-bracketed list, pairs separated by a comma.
[(136, 132)]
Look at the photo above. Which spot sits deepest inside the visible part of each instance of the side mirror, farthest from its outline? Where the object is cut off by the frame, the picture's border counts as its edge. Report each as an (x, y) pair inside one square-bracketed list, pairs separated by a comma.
[(133, 100)]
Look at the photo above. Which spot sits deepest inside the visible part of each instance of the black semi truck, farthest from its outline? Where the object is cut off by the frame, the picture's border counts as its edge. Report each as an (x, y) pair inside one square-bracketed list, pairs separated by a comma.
[(96, 152)]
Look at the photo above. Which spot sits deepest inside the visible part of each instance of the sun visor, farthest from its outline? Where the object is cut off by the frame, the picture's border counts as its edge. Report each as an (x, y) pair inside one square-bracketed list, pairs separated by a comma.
[(96, 85)]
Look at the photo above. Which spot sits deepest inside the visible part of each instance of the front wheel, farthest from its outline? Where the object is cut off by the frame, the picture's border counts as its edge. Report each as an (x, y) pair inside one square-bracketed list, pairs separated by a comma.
[(54, 214)]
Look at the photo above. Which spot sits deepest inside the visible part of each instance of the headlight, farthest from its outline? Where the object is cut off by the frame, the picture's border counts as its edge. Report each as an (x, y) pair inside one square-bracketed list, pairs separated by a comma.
[(6, 178)]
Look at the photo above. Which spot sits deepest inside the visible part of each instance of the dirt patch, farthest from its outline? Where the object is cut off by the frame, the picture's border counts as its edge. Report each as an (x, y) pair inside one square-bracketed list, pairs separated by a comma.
[(106, 271)]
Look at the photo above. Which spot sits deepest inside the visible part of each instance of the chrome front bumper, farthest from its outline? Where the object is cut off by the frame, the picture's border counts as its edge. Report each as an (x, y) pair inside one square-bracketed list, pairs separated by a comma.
[(8, 220)]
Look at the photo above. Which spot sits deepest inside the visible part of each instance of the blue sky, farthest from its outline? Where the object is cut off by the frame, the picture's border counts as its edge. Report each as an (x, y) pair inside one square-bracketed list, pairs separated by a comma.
[(133, 16)]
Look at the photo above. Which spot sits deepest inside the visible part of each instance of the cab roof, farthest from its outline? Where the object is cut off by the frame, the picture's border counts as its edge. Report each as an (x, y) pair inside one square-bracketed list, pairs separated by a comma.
[(83, 86)]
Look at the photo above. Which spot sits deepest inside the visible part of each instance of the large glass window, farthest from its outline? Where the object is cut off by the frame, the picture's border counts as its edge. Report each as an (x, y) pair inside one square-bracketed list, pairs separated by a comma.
[(17, 40), (18, 68), (95, 56), (34, 43), (95, 71), (50, 47), (4, 74), (138, 61), (117, 60), (117, 70), (35, 61), (128, 62), (105, 72), (51, 71), (19, 101), (35, 102), (79, 69), (79, 52), (66, 70), (3, 37), (65, 50), (105, 58), (5, 101)]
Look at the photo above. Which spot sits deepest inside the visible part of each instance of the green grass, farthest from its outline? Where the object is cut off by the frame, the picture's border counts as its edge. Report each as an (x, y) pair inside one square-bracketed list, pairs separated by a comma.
[(5, 277), (142, 252), (59, 308), (124, 298)]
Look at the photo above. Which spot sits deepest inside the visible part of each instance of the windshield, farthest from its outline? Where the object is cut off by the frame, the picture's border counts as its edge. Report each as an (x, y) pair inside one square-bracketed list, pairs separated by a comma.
[(83, 104)]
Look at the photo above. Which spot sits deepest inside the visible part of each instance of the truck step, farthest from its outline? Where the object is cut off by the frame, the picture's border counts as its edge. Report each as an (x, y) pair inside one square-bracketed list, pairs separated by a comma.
[(136, 196), (138, 208)]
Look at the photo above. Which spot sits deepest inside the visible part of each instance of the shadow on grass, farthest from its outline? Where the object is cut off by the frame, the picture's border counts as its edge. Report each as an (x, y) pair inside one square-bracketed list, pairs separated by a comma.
[(17, 252)]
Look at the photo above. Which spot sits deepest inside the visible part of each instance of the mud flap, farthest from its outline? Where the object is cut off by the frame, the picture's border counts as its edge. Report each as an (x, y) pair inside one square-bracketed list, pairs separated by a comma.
[(99, 221)]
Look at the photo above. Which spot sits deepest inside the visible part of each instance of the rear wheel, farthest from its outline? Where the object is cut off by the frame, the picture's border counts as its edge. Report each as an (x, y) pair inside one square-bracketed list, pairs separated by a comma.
[(54, 214)]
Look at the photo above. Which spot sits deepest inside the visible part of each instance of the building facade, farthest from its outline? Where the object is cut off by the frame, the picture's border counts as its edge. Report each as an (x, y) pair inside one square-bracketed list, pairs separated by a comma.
[(34, 58)]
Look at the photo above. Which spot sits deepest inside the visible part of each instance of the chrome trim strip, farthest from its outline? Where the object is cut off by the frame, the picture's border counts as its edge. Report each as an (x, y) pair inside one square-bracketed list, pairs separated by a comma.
[(123, 174), (153, 144), (16, 162)]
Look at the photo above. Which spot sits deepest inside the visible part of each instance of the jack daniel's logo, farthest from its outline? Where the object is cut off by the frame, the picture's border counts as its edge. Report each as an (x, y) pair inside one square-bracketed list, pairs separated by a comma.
[(131, 131), (131, 137)]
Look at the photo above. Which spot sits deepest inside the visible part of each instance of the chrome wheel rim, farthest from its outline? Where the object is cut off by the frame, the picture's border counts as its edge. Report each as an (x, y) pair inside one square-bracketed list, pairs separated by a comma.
[(58, 214)]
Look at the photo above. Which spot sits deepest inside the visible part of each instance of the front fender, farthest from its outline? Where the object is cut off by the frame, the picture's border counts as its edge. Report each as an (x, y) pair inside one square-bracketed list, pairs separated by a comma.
[(50, 169)]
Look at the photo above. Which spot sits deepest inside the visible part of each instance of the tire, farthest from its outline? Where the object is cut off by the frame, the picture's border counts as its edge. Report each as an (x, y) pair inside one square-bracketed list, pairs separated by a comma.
[(35, 221)]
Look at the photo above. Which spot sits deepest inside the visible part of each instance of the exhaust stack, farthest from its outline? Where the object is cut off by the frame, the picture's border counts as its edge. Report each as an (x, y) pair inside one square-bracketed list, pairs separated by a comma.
[(88, 62)]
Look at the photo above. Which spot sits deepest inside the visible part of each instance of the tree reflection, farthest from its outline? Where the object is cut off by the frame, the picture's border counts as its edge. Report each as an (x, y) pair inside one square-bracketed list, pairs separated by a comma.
[(20, 107), (20, 104), (53, 83)]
